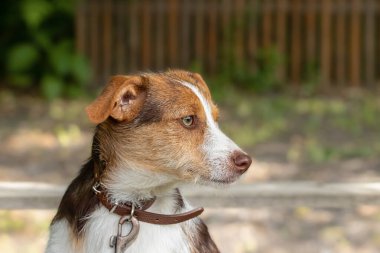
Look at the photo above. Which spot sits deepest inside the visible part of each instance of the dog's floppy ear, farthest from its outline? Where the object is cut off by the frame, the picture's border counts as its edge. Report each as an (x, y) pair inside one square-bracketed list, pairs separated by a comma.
[(122, 99)]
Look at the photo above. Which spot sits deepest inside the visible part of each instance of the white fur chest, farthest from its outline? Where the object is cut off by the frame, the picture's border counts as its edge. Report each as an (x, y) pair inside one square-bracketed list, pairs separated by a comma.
[(102, 225)]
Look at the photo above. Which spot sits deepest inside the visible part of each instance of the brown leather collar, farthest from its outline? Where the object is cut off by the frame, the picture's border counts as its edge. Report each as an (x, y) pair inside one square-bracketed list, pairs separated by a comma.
[(142, 215)]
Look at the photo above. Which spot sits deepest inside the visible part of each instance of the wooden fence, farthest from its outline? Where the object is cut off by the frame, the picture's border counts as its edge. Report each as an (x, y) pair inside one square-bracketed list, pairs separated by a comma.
[(335, 43)]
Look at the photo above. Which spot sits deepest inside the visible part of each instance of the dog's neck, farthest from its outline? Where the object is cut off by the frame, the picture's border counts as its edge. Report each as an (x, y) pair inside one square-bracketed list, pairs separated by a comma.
[(126, 180), (134, 185)]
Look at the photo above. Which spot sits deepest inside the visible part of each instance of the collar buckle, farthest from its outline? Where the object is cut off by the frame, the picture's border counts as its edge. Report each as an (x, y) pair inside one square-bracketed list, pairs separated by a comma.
[(96, 188)]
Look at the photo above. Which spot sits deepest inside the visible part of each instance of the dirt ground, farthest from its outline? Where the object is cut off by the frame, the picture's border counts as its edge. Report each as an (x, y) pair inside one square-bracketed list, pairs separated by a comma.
[(47, 142)]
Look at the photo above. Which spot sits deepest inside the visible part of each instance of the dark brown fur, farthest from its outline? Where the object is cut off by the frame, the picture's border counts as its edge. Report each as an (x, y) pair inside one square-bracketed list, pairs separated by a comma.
[(201, 241), (72, 206)]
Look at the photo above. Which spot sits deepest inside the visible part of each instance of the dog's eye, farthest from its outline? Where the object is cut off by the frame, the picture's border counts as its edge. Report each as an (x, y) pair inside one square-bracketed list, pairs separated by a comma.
[(188, 121)]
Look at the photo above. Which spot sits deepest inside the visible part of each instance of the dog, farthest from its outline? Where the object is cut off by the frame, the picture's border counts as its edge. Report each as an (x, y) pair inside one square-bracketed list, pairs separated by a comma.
[(154, 132)]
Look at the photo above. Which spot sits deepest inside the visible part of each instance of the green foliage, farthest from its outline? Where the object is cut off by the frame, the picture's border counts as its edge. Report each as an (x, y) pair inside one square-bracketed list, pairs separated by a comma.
[(263, 77), (22, 57), (51, 86), (40, 56), (34, 12)]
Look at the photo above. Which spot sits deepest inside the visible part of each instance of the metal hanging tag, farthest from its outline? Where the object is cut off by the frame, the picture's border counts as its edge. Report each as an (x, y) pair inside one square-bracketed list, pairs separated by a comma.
[(120, 242)]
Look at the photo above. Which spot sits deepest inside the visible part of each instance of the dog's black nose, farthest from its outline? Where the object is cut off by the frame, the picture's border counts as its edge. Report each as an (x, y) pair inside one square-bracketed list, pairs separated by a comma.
[(241, 161)]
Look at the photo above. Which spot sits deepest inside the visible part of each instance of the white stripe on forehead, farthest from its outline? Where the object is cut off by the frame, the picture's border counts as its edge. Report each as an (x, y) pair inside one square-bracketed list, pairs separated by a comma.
[(217, 146), (204, 102)]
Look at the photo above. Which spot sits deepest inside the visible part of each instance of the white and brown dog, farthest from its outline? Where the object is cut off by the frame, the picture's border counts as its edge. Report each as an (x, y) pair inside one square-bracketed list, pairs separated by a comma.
[(155, 131)]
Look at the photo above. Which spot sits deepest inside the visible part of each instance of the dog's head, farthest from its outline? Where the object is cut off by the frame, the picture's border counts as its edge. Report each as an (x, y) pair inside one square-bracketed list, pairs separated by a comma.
[(162, 127)]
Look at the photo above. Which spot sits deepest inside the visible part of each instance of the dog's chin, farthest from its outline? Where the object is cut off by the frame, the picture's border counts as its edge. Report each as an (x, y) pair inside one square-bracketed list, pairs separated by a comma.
[(218, 182)]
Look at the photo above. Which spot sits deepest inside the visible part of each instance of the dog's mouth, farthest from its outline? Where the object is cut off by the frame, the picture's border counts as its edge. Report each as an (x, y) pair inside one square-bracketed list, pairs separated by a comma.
[(219, 181), (224, 181)]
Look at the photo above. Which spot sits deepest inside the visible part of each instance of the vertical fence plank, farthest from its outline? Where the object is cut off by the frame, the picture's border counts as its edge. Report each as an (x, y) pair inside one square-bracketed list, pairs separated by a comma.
[(212, 36), (173, 32), (239, 31), (355, 43), (325, 43), (160, 33), (281, 29), (199, 32), (107, 38), (311, 32), (377, 43), (185, 33), (133, 36), (296, 43), (120, 38), (252, 33), (94, 37), (370, 43), (341, 43), (267, 23), (80, 27), (226, 34), (146, 40)]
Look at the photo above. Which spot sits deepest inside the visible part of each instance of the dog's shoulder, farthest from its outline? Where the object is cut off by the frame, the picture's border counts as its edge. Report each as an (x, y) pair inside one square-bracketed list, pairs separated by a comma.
[(201, 240)]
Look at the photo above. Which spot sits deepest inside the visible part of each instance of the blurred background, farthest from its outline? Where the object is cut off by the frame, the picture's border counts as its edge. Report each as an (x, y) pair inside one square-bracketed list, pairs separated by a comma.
[(297, 82)]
